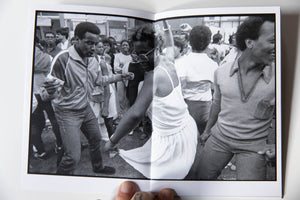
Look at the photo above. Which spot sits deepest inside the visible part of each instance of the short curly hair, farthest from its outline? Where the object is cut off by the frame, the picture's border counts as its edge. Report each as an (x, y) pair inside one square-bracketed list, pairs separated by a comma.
[(250, 28), (200, 37), (84, 27)]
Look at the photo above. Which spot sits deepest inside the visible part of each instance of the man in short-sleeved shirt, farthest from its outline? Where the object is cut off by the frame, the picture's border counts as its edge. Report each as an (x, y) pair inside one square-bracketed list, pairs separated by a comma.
[(243, 106), (196, 72)]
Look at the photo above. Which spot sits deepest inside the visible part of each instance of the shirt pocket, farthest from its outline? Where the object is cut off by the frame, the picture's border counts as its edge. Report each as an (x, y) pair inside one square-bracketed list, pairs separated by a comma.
[(264, 110)]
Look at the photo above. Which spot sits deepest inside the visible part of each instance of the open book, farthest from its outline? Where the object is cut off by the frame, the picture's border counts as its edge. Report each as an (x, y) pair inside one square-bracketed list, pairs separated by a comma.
[(195, 55)]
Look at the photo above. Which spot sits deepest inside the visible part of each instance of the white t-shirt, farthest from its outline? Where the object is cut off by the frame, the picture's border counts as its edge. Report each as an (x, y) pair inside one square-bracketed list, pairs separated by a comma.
[(196, 73), (121, 61)]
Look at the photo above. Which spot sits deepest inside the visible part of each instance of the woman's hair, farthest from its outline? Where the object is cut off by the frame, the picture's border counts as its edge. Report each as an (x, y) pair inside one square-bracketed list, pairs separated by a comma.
[(250, 28), (127, 41), (64, 31), (145, 33), (200, 37), (84, 27), (106, 40)]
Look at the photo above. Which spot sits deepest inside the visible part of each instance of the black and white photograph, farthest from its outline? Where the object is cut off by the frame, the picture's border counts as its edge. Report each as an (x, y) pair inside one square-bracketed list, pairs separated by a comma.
[(184, 99)]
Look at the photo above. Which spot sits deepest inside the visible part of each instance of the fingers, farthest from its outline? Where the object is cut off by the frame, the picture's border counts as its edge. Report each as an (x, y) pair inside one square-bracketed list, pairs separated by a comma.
[(126, 191), (268, 147), (50, 89), (130, 191), (262, 152), (168, 194), (143, 196)]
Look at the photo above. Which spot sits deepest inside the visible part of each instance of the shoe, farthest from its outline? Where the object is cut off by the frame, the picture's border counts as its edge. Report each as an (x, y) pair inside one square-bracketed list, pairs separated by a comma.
[(105, 170), (41, 156)]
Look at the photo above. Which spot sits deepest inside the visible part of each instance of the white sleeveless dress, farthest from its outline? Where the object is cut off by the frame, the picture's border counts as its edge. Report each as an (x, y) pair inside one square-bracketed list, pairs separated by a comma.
[(170, 152)]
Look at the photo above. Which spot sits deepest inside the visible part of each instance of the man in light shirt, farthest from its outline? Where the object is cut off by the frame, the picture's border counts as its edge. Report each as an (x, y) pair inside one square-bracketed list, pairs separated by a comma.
[(195, 72)]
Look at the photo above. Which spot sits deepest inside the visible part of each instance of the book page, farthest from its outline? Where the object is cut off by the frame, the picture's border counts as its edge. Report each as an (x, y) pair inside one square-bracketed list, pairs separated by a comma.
[(224, 23), (64, 133)]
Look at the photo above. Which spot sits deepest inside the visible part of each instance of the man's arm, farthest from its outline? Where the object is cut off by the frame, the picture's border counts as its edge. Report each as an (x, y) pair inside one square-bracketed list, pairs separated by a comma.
[(214, 111), (58, 65), (106, 80), (56, 78)]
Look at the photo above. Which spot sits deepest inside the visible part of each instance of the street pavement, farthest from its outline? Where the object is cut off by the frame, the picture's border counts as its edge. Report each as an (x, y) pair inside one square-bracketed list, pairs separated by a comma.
[(123, 169)]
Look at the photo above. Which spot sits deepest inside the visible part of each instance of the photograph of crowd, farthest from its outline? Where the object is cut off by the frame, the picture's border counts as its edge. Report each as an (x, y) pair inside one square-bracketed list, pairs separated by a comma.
[(187, 98)]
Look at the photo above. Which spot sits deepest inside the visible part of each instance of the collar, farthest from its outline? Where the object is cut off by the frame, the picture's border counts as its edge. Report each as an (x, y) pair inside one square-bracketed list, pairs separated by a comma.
[(266, 73), (75, 55)]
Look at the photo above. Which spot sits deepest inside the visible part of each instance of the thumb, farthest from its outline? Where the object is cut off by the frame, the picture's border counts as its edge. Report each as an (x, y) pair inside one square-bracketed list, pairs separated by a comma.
[(168, 194), (126, 190)]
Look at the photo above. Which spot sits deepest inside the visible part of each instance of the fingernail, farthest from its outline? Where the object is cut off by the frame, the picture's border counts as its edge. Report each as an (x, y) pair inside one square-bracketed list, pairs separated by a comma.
[(127, 188)]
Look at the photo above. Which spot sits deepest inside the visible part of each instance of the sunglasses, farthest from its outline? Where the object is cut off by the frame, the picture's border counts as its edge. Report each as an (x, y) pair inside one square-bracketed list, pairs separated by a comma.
[(143, 58)]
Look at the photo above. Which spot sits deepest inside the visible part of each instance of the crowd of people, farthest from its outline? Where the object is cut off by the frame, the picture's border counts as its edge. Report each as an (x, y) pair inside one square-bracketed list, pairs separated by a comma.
[(191, 88)]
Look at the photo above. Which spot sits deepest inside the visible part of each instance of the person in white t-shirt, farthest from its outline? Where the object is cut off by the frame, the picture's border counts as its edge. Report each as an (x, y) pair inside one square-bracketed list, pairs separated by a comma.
[(196, 72)]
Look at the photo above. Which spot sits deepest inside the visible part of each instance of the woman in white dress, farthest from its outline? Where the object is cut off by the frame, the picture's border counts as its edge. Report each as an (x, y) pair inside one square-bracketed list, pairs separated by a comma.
[(170, 152), (109, 106)]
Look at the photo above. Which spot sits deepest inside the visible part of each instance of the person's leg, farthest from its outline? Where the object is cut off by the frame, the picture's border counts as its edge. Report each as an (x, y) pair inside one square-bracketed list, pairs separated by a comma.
[(91, 131), (51, 115), (121, 91), (204, 111), (109, 123), (69, 124), (212, 159), (37, 124), (199, 110), (131, 91), (250, 166)]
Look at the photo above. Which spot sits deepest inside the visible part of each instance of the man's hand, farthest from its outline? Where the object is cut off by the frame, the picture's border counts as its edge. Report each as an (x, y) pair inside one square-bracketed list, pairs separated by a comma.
[(204, 136), (130, 191), (269, 151), (128, 76), (51, 85)]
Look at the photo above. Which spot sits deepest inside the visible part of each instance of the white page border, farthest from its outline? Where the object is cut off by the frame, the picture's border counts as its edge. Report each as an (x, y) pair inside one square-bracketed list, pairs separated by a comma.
[(108, 186)]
